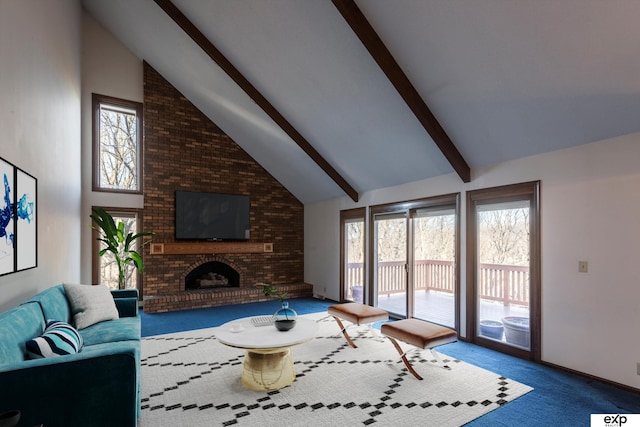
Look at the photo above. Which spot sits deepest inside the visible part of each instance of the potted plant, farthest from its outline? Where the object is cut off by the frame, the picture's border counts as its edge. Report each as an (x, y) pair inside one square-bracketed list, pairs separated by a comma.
[(120, 245), (285, 317)]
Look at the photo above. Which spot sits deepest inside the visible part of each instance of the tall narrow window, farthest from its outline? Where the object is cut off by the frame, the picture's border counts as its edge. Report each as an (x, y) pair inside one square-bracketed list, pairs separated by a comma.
[(105, 269), (504, 268), (352, 284), (117, 145)]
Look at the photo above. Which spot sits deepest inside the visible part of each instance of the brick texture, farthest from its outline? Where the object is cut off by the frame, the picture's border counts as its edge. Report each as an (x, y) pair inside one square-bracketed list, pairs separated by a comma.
[(184, 150)]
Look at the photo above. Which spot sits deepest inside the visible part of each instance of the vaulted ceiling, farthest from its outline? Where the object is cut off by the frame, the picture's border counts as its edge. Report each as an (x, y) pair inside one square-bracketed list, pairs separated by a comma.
[(339, 97)]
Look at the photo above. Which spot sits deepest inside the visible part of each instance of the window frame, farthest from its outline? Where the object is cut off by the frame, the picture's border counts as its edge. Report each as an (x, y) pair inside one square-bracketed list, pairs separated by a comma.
[(95, 244), (97, 101), (408, 207), (347, 216), (507, 193)]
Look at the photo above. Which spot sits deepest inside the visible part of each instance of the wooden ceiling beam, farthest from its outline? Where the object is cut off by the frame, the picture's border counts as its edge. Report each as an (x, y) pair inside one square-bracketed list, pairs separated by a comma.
[(372, 42), (201, 40)]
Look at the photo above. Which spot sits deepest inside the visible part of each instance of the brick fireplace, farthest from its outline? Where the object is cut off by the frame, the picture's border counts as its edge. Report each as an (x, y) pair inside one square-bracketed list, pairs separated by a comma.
[(184, 150), (212, 274)]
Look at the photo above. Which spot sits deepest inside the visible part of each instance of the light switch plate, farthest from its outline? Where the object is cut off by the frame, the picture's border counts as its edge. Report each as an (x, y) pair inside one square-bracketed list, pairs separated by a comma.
[(583, 267)]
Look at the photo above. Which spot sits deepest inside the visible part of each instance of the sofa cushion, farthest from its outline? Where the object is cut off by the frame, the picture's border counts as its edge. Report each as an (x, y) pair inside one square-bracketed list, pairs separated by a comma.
[(90, 304), (123, 329), (59, 339), (54, 304), (19, 325)]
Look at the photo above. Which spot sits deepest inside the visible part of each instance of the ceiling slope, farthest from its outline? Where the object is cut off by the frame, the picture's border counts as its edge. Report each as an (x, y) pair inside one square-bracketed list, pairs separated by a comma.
[(199, 38), (151, 35), (508, 79), (505, 79), (367, 35)]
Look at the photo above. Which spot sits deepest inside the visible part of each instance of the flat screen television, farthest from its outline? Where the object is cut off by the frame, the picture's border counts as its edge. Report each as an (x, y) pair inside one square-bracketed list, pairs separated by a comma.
[(212, 216)]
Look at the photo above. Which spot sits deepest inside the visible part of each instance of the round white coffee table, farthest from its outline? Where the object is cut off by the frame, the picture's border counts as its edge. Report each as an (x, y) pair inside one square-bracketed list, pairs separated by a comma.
[(268, 363)]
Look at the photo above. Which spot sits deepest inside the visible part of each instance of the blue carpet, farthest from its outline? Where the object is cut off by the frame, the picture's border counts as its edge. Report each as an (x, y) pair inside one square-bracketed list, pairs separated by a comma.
[(558, 398)]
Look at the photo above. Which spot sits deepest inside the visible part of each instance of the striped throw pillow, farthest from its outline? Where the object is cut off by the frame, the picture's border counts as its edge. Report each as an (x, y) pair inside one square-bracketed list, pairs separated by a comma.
[(58, 339)]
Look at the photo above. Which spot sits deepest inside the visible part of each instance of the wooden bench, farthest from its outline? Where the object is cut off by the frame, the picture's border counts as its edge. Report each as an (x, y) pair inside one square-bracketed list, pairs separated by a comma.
[(421, 334), (356, 313)]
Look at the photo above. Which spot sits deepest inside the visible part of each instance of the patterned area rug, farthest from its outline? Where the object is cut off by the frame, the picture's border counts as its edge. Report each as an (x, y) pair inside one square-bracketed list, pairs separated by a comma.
[(190, 379)]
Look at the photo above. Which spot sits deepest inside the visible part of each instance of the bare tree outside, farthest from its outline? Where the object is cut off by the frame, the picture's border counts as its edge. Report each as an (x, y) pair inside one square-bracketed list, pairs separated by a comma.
[(355, 240), (435, 237), (391, 239), (504, 236), (503, 279), (118, 149)]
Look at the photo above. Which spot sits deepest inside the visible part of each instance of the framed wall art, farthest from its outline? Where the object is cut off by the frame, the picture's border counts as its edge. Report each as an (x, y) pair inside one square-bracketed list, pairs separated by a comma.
[(18, 219), (26, 248), (7, 223)]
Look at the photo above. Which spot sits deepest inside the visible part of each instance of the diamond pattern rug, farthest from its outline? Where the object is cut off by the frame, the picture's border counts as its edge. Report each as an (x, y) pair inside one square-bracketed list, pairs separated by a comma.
[(190, 379)]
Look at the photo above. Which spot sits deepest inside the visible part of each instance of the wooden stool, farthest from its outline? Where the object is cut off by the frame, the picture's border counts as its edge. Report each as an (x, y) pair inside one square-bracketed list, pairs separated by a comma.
[(356, 313), (417, 333)]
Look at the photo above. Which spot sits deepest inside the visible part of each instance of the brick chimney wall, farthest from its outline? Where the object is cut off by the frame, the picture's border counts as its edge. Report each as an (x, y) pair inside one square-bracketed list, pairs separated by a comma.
[(184, 150)]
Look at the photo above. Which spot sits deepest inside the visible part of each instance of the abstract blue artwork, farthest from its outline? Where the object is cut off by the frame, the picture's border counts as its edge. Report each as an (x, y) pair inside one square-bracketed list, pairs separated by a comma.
[(26, 227), (18, 227), (7, 229)]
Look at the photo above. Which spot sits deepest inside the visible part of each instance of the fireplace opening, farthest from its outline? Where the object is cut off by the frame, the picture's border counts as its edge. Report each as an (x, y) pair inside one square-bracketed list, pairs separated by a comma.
[(212, 275)]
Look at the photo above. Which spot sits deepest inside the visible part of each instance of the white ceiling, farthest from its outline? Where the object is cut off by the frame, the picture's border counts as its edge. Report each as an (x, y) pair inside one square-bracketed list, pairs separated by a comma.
[(505, 78)]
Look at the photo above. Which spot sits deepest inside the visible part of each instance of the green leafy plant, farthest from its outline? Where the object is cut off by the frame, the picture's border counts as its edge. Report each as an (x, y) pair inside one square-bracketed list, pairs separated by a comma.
[(121, 245), (272, 291)]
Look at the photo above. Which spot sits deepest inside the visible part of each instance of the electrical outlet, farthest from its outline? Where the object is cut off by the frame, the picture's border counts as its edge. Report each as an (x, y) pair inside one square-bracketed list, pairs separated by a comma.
[(583, 267)]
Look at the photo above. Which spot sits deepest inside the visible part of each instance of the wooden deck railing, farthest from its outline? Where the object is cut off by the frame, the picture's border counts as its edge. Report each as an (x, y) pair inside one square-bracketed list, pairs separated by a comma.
[(508, 284)]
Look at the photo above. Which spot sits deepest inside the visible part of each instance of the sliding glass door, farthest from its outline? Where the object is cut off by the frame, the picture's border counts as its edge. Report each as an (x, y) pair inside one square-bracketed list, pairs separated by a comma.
[(414, 251), (390, 262), (433, 275)]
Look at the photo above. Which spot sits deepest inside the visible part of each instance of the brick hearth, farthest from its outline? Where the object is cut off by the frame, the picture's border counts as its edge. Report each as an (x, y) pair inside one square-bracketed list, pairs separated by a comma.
[(203, 298), (184, 150)]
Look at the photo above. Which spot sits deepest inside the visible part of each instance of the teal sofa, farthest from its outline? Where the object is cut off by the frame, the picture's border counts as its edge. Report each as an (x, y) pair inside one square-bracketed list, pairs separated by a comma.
[(98, 386)]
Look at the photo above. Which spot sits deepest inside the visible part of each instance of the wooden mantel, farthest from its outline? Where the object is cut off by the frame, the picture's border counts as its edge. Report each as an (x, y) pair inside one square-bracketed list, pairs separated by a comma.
[(210, 248)]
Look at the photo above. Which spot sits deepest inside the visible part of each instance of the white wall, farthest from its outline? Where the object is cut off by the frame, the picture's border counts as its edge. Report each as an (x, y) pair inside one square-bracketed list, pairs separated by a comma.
[(590, 197), (108, 68), (590, 200), (40, 44)]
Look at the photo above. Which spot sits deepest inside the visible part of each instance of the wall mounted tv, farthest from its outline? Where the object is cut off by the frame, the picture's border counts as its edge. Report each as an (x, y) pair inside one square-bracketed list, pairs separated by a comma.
[(212, 216)]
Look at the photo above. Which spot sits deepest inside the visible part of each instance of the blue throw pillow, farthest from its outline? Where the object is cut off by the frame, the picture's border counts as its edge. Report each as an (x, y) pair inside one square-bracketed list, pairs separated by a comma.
[(58, 339)]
